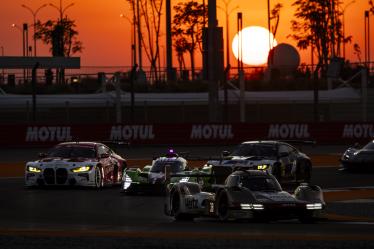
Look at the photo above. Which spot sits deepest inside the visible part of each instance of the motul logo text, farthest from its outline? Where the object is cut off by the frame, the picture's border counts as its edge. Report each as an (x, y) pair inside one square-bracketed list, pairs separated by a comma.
[(48, 133), (288, 131), (132, 132), (358, 131), (211, 132)]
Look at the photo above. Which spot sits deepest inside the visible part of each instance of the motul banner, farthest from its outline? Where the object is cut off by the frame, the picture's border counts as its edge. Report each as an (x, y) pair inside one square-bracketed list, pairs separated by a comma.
[(186, 134)]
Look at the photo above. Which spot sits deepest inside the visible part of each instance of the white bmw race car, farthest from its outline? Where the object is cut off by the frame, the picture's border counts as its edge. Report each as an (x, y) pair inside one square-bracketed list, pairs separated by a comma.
[(87, 164)]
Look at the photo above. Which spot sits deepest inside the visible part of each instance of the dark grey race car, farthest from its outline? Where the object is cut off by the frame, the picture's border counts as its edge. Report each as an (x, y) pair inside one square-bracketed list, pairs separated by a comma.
[(358, 159), (281, 159), (246, 194)]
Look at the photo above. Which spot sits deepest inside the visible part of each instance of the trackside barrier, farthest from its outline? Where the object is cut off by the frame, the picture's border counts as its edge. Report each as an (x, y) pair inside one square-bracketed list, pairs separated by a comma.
[(185, 134)]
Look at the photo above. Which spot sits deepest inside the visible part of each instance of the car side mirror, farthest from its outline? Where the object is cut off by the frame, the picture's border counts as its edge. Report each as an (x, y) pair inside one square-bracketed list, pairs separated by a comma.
[(225, 153), (42, 155), (283, 154), (104, 155)]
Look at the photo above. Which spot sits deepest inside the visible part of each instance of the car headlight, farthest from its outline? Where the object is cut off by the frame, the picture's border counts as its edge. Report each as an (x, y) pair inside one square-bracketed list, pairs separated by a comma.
[(262, 167), (252, 206), (33, 169), (82, 169), (314, 206)]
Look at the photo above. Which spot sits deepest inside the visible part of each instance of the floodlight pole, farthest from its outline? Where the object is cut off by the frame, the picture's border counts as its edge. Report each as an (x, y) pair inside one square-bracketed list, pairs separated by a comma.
[(169, 49), (240, 68), (139, 36), (367, 39), (213, 51), (34, 13)]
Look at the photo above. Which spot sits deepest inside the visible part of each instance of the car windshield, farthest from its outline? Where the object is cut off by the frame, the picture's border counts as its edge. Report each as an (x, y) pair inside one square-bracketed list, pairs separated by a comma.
[(256, 149), (72, 152), (159, 166), (260, 184), (369, 146)]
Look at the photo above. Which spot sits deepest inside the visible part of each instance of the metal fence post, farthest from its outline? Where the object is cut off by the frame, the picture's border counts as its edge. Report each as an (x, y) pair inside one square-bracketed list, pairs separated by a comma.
[(27, 111), (364, 93), (67, 111), (145, 112)]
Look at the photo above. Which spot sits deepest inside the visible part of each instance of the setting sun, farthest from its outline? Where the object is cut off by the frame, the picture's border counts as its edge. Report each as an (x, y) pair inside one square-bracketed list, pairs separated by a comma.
[(255, 45)]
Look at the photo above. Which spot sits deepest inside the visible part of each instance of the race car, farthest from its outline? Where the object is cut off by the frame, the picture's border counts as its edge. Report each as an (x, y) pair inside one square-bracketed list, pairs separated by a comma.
[(358, 159), (88, 164), (281, 159), (246, 194), (152, 178)]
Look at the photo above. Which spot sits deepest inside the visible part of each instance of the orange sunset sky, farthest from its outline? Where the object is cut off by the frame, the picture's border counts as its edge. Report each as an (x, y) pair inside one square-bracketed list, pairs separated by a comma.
[(106, 36)]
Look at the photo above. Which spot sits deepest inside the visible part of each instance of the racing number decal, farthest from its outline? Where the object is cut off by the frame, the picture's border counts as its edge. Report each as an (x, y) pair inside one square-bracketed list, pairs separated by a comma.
[(190, 203)]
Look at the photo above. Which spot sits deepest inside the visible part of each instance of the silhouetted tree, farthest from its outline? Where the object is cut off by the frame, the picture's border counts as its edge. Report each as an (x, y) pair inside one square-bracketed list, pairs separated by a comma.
[(357, 51), (151, 11), (275, 15), (319, 26), (181, 47), (61, 35), (188, 23)]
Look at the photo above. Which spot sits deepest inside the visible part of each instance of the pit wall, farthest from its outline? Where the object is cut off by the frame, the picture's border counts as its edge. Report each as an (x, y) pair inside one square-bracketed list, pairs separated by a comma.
[(185, 134)]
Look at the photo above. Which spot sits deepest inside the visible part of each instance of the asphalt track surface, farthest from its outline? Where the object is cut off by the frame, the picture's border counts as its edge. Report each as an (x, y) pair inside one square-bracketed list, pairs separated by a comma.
[(85, 218)]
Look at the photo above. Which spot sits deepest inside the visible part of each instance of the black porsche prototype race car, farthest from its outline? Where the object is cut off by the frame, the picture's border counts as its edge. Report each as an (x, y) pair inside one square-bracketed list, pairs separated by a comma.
[(356, 158), (246, 194)]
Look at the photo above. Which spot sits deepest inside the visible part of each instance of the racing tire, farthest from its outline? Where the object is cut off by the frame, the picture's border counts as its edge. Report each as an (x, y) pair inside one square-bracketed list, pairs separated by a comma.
[(223, 207), (99, 179), (176, 208)]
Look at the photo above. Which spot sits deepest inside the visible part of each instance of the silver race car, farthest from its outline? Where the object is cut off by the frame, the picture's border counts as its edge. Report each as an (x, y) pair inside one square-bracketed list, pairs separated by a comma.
[(246, 194)]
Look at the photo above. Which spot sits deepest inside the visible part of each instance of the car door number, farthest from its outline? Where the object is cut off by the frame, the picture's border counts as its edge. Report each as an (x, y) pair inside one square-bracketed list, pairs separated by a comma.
[(190, 203)]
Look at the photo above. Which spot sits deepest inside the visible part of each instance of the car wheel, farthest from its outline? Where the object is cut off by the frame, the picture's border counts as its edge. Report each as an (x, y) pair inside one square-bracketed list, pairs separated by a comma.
[(223, 207), (175, 208), (99, 179)]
